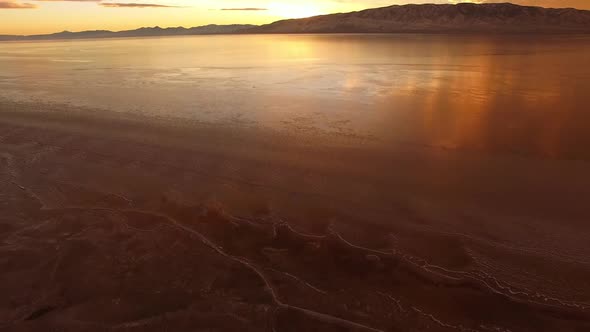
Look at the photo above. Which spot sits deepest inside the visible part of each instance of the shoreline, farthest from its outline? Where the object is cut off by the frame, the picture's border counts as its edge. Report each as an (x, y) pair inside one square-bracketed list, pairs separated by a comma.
[(450, 33)]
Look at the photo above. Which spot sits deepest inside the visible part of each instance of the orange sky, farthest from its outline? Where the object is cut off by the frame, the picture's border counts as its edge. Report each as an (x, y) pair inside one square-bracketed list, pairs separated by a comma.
[(47, 16)]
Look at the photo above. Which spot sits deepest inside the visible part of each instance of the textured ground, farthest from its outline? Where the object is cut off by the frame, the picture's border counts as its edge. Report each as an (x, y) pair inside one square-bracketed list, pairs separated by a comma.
[(116, 224)]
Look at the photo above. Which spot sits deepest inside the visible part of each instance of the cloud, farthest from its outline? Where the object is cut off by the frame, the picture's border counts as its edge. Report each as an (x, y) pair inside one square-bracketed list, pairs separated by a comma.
[(16, 5), (245, 9), (117, 4), (134, 5)]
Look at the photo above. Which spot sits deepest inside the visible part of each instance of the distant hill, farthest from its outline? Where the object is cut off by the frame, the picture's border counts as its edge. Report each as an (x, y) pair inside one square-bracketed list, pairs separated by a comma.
[(463, 18), (141, 32)]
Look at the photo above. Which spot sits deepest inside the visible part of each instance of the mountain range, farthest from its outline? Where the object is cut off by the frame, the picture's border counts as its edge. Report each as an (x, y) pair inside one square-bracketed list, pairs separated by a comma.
[(211, 29), (425, 18), (443, 18)]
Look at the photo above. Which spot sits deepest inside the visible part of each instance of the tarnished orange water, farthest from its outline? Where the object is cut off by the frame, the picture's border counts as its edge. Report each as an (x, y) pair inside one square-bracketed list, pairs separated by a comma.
[(296, 182)]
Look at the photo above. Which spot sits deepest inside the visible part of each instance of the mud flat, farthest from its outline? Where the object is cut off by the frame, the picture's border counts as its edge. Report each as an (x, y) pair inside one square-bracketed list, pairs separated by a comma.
[(113, 222)]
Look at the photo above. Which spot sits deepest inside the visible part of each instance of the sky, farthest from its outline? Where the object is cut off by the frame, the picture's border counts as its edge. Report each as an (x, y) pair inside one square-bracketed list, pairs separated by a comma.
[(24, 17)]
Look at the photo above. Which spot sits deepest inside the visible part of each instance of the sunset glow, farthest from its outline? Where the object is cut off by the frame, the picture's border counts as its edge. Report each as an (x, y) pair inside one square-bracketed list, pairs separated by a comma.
[(297, 10)]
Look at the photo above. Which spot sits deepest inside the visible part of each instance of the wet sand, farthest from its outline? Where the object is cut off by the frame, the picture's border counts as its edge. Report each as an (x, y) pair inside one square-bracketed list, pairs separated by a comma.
[(118, 222)]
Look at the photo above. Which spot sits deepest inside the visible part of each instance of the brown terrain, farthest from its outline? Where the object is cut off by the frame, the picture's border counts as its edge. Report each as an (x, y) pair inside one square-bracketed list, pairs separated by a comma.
[(116, 223), (441, 18)]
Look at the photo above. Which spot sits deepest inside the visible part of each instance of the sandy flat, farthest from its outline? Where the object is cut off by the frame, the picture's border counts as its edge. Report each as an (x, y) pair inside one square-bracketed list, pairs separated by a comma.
[(114, 222)]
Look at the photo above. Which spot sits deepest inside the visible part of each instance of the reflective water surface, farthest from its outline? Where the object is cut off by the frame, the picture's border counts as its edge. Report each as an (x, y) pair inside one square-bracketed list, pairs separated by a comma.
[(325, 182), (502, 94)]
